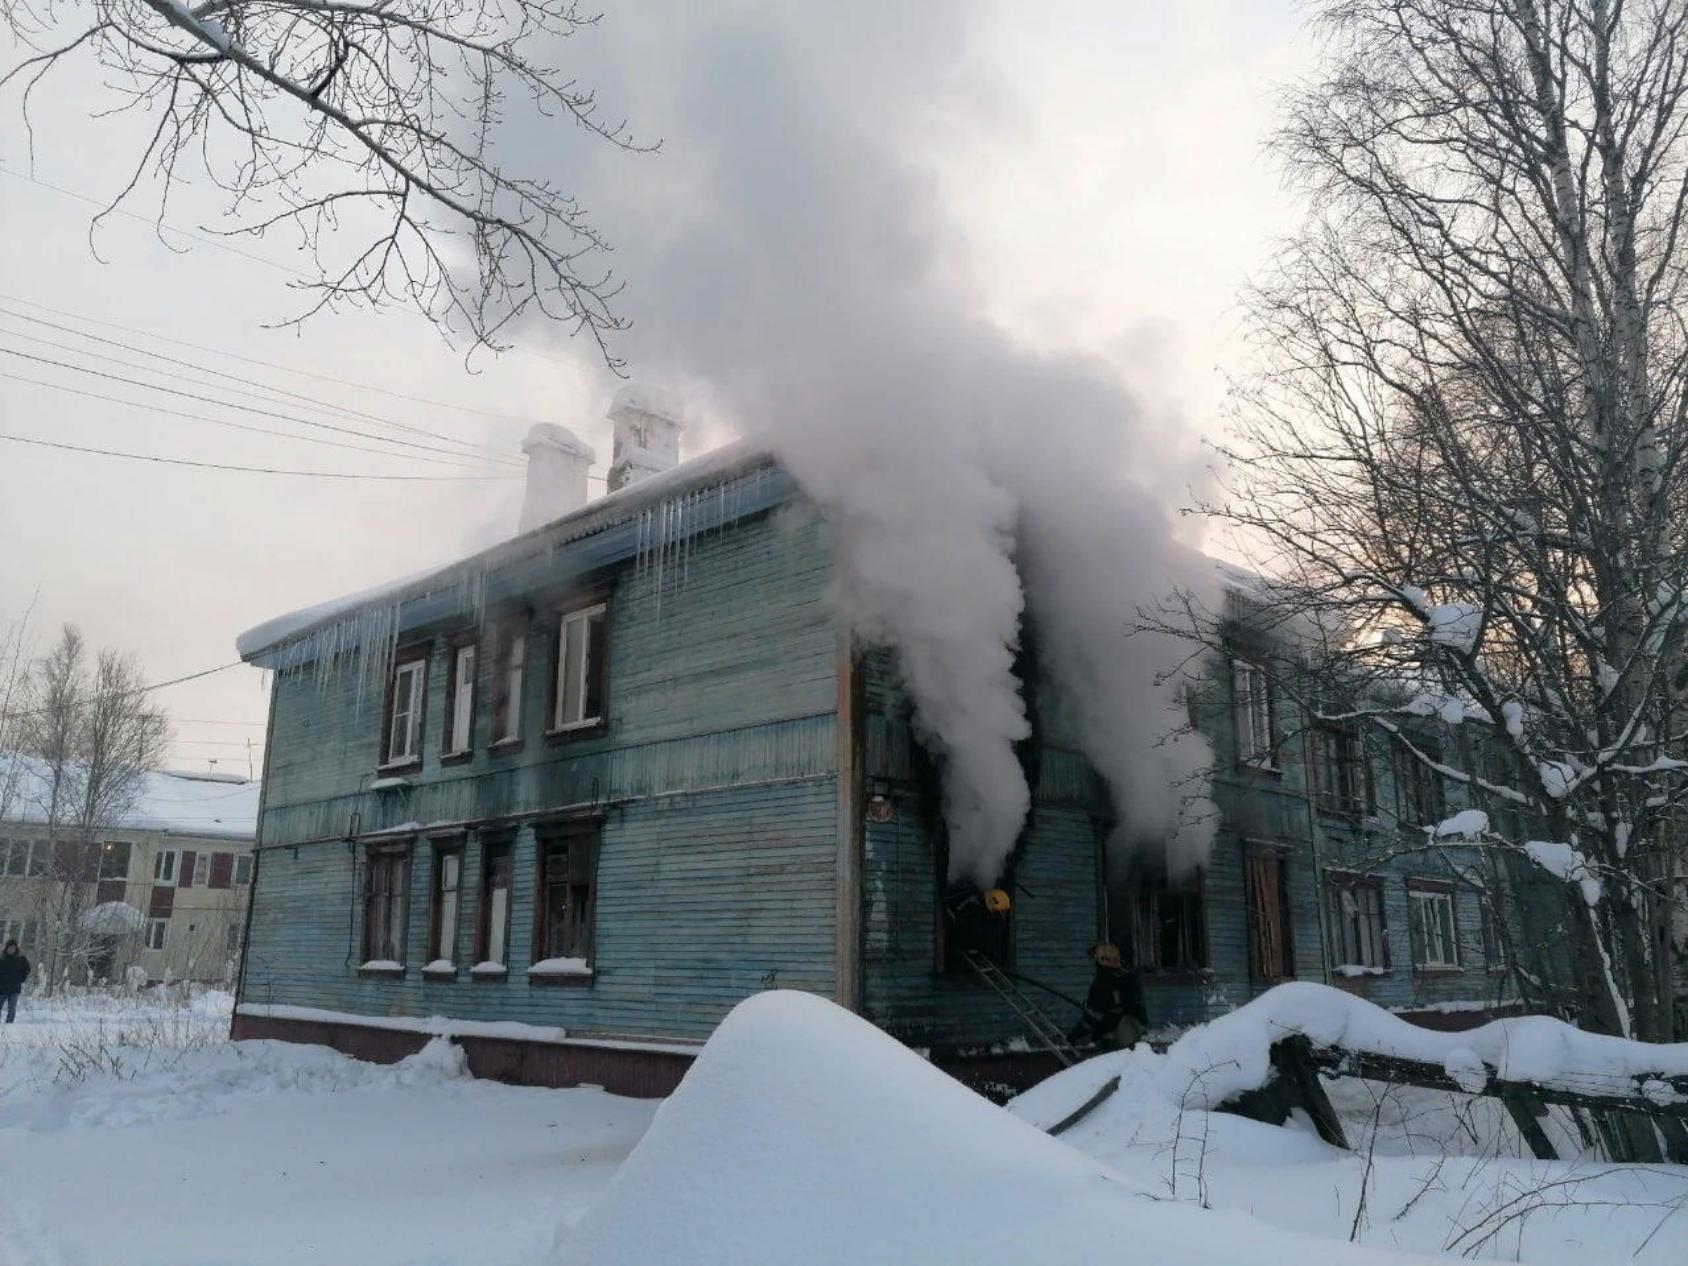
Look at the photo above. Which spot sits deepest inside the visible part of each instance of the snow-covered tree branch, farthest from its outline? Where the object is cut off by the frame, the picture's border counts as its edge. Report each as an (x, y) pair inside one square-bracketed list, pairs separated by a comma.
[(365, 129)]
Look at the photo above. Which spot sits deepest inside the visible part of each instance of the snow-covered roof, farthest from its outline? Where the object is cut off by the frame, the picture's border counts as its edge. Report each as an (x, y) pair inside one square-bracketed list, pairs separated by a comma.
[(183, 803), (616, 507)]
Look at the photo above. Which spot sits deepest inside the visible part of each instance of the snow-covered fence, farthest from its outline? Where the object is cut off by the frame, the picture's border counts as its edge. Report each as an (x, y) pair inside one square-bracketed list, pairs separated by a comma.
[(1273, 1051)]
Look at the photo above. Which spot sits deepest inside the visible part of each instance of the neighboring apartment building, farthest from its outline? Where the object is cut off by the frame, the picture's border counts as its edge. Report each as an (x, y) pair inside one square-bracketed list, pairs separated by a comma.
[(166, 889)]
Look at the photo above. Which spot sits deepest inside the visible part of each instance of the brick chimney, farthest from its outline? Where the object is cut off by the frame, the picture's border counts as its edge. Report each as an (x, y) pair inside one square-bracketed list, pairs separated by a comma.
[(557, 460), (647, 434)]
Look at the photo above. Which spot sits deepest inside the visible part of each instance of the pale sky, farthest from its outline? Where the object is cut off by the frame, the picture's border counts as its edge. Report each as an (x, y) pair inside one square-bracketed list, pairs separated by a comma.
[(1099, 166)]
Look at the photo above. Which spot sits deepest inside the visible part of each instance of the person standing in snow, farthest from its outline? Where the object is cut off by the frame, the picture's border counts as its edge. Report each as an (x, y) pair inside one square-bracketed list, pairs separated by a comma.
[(14, 970), (1115, 1016)]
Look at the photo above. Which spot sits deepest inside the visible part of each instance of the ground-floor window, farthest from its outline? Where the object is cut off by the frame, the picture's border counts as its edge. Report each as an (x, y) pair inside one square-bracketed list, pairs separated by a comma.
[(492, 944), (1435, 932), (1168, 922), (1357, 931), (158, 933), (1271, 952), (20, 930), (563, 902), (445, 903), (386, 877)]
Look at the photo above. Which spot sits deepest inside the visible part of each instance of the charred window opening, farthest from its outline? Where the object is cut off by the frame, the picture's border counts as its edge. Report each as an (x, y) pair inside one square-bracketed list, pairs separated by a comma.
[(1159, 921)]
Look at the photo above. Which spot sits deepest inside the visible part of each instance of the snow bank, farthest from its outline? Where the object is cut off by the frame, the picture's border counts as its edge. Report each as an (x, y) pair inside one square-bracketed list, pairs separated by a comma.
[(804, 1134), (1211, 1064)]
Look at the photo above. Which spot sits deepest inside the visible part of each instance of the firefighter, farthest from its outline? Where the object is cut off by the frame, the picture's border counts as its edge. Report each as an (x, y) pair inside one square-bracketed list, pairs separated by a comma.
[(1115, 1017)]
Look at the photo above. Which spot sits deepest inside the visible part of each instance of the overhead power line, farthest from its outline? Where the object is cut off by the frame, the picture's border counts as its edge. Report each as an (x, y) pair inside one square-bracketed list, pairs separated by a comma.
[(229, 404), (137, 691), (251, 470), (233, 426), (304, 400)]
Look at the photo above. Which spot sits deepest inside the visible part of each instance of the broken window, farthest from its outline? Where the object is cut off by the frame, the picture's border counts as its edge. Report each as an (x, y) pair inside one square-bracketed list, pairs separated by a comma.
[(1271, 953), (1168, 922), (492, 947), (1418, 787), (508, 674)]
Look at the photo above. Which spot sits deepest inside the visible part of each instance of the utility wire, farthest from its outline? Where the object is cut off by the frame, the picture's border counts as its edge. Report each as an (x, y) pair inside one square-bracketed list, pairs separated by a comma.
[(251, 470), (233, 426), (129, 694), (228, 404), (306, 401)]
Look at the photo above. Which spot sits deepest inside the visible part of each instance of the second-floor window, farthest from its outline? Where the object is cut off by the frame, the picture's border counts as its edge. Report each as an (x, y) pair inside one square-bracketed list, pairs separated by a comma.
[(1341, 780), (404, 713), (1252, 695), (201, 870), (164, 866), (508, 673), (1418, 788), (579, 700), (460, 701), (243, 870)]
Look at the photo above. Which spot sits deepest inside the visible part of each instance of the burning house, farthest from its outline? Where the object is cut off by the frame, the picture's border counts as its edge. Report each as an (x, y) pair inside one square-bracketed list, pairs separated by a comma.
[(573, 798)]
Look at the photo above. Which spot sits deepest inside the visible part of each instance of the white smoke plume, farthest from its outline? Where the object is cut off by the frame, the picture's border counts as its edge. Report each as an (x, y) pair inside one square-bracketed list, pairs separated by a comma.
[(789, 264)]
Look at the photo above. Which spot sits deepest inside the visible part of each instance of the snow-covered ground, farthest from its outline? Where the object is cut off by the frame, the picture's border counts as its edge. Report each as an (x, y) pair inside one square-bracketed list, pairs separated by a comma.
[(131, 1132)]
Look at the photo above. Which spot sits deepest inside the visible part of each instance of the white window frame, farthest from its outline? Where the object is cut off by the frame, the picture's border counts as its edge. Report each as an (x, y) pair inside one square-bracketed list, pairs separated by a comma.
[(464, 662), (581, 616), (1419, 902), (201, 870), (242, 861), (162, 873), (1359, 937), (1251, 693), (411, 751), (19, 848), (158, 930)]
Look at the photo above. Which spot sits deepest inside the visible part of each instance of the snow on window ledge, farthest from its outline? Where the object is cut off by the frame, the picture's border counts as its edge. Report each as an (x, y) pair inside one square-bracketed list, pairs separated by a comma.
[(489, 969), (1359, 969), (560, 971), (390, 782), (440, 967), (381, 967)]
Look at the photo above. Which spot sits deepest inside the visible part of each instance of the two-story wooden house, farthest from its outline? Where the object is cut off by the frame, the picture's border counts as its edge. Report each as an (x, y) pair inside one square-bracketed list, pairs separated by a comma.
[(573, 798)]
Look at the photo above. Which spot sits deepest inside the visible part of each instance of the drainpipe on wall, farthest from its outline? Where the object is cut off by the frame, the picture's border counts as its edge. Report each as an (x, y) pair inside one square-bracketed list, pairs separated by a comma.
[(1313, 845), (257, 860)]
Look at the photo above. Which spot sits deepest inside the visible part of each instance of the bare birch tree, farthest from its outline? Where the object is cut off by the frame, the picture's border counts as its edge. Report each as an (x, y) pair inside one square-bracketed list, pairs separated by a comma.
[(92, 737), (366, 128), (1460, 459)]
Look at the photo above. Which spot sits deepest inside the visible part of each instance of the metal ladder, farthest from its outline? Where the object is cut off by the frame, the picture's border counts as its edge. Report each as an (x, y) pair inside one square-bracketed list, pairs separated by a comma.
[(1039, 1027)]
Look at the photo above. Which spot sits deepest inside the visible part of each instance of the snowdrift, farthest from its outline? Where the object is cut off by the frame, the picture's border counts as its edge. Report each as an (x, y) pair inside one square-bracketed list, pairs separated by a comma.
[(804, 1134)]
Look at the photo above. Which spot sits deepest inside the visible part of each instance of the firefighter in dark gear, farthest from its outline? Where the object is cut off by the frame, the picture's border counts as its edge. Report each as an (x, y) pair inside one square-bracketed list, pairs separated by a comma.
[(1115, 1017)]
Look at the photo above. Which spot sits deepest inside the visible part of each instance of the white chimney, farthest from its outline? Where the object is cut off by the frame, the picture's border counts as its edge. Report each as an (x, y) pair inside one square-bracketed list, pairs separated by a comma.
[(556, 474), (647, 434)]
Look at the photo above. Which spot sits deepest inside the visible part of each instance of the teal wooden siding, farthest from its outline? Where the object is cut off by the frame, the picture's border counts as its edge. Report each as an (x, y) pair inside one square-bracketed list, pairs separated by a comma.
[(715, 779), (1057, 898)]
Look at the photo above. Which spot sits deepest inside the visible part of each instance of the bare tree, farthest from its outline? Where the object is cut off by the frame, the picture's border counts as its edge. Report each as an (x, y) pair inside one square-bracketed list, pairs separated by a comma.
[(92, 738), (1460, 458), (368, 120)]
